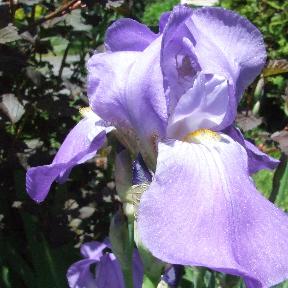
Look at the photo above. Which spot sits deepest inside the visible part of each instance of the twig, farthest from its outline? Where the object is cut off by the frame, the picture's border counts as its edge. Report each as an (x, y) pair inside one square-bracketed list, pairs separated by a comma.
[(66, 8), (12, 10), (64, 59)]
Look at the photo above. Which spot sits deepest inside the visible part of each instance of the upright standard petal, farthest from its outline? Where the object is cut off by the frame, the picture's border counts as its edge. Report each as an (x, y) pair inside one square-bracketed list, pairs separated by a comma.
[(146, 101), (227, 43), (80, 145), (203, 105), (128, 35), (163, 21), (107, 80), (215, 32), (205, 40), (202, 209), (178, 63)]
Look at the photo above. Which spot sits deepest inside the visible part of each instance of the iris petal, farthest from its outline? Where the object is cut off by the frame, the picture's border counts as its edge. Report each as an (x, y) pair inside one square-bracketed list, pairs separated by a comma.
[(145, 98), (226, 42), (80, 276), (107, 80), (203, 105), (128, 35), (202, 209), (80, 145), (257, 159), (214, 41), (108, 273)]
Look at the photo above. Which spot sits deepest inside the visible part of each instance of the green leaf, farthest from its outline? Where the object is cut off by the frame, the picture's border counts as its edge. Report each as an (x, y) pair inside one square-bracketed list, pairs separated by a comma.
[(281, 184), (9, 34), (45, 262), (5, 277), (121, 238), (275, 67), (17, 263)]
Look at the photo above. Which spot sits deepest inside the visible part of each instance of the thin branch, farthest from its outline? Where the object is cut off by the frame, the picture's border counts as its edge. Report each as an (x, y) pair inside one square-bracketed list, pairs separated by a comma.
[(64, 9), (64, 59)]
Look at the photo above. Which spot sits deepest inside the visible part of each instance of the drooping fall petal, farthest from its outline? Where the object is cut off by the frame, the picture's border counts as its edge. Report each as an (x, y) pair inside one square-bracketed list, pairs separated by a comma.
[(257, 159), (80, 145), (202, 209)]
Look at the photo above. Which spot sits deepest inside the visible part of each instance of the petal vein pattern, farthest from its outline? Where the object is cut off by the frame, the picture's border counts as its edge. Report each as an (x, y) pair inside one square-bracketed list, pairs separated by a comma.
[(220, 219), (107, 81), (215, 41)]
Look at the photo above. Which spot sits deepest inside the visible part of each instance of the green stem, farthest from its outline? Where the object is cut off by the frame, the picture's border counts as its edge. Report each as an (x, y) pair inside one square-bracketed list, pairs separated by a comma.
[(280, 176), (128, 270)]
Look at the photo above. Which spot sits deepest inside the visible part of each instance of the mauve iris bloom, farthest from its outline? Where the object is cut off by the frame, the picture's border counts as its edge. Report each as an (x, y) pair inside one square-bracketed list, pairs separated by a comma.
[(136, 84), (108, 273), (173, 96)]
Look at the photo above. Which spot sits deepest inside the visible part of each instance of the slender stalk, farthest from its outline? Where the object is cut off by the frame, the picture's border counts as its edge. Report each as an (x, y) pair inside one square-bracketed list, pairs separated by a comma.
[(128, 270), (64, 9), (282, 169), (64, 59)]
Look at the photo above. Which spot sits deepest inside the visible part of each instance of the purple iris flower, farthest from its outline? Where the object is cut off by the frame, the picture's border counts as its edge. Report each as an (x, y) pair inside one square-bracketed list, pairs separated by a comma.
[(108, 272), (136, 84), (173, 97), (178, 91)]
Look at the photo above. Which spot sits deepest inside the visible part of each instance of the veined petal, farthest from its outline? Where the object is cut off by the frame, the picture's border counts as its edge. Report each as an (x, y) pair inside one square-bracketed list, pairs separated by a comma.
[(80, 276), (202, 209), (257, 159), (228, 44), (177, 62), (146, 100), (108, 273), (80, 145), (107, 80), (93, 250), (202, 106), (128, 35), (204, 40), (163, 21)]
